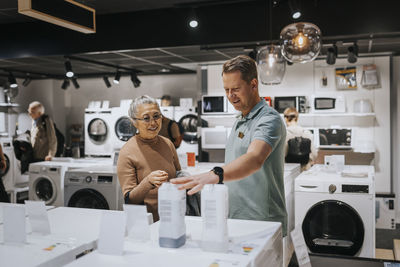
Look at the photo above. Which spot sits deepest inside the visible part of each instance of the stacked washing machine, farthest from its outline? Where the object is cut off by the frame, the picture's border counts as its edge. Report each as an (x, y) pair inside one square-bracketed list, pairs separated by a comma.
[(98, 132), (188, 118), (336, 211), (122, 127), (46, 178), (8, 174), (95, 187)]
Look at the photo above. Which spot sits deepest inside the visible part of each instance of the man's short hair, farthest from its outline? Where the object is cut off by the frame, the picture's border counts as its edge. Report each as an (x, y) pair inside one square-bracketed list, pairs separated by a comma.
[(36, 105), (246, 65)]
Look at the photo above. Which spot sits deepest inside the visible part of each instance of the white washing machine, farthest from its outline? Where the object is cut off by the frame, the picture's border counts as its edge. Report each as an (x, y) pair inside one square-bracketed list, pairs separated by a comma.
[(96, 187), (168, 111), (98, 132), (337, 211), (187, 117), (8, 174), (122, 127), (46, 179)]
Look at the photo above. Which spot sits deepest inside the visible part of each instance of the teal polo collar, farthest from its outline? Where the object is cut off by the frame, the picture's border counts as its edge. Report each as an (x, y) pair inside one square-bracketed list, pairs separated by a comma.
[(254, 111)]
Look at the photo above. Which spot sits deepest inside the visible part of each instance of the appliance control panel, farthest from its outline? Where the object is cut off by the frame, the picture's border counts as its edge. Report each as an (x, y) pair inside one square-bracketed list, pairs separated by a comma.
[(350, 188)]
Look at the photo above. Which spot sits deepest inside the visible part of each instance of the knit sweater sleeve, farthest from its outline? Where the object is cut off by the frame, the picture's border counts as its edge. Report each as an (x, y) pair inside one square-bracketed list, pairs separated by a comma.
[(127, 176)]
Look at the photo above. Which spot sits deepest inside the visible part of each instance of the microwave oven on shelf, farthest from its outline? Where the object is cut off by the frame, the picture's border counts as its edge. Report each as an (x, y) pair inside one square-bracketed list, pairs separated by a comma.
[(216, 105), (283, 102), (335, 138), (215, 137), (328, 103)]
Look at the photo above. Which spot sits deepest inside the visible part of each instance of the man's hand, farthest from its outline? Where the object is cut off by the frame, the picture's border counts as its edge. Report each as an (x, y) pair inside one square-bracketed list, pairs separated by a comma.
[(48, 158), (196, 182)]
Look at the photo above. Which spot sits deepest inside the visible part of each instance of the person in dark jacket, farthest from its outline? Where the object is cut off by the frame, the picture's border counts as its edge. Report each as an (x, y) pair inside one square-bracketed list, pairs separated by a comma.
[(43, 135)]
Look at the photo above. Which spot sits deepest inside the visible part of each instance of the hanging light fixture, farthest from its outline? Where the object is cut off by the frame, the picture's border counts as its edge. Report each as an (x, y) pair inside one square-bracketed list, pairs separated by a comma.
[(75, 83), (352, 53), (68, 69), (135, 80), (27, 80), (295, 11), (117, 77), (271, 65), (301, 42), (12, 80), (331, 55), (65, 84), (106, 81), (193, 19)]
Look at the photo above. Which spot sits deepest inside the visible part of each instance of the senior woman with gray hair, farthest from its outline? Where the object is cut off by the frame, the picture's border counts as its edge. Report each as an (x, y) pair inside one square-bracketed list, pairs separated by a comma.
[(147, 159)]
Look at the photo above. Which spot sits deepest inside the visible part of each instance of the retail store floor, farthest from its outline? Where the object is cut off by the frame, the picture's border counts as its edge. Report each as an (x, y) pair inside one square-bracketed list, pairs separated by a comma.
[(384, 239)]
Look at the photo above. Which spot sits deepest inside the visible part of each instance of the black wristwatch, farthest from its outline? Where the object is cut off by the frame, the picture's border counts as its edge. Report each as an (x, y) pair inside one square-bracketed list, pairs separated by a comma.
[(220, 172)]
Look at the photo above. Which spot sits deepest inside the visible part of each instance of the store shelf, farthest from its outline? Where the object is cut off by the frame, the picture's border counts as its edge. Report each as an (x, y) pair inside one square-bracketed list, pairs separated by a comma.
[(337, 115)]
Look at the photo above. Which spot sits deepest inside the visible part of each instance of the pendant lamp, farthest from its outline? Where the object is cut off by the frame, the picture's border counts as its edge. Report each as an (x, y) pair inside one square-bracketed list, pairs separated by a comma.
[(271, 65), (301, 42)]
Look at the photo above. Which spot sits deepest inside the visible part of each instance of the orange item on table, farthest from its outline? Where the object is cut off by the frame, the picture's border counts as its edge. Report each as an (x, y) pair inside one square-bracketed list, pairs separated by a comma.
[(191, 159)]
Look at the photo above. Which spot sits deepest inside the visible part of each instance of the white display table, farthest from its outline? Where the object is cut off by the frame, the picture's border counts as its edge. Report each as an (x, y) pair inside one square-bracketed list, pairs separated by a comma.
[(73, 231), (2, 204), (253, 243)]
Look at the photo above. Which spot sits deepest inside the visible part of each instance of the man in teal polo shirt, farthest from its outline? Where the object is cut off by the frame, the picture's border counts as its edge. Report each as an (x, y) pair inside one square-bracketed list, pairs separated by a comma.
[(254, 155)]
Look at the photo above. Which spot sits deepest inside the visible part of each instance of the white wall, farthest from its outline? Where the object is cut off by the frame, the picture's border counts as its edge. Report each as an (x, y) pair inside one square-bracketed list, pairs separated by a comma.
[(304, 79)]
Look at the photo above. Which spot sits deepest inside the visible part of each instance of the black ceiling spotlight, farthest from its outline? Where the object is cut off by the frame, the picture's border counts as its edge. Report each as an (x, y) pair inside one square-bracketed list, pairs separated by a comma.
[(12, 80), (295, 11), (331, 55), (289, 63), (193, 19), (117, 77), (75, 83), (68, 69), (352, 53), (106, 81), (135, 80), (65, 84), (27, 80)]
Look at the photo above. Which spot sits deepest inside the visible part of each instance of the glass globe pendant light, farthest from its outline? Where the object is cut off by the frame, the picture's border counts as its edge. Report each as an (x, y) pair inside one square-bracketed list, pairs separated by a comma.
[(271, 65), (301, 42)]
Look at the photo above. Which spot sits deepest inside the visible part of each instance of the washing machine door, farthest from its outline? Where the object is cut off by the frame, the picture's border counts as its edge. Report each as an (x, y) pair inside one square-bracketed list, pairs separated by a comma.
[(88, 198), (124, 129), (333, 227), (44, 189), (4, 173), (189, 123), (97, 130)]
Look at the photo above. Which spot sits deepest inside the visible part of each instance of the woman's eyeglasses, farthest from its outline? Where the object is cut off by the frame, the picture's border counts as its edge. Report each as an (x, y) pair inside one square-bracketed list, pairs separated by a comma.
[(147, 119)]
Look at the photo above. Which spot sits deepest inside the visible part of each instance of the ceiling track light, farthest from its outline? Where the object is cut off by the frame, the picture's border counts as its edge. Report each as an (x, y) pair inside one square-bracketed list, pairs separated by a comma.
[(65, 84), (117, 77), (107, 81), (253, 54), (352, 53), (295, 11), (135, 80), (75, 83), (331, 55), (193, 19), (27, 81), (12, 80), (68, 69)]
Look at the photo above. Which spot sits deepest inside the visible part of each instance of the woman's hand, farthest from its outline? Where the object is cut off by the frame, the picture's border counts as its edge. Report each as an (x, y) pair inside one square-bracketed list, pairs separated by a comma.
[(156, 178)]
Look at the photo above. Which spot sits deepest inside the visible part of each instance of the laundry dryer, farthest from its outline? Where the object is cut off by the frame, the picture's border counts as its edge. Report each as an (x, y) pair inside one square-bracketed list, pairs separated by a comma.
[(98, 132), (46, 179), (122, 129), (96, 187), (8, 174), (337, 211)]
